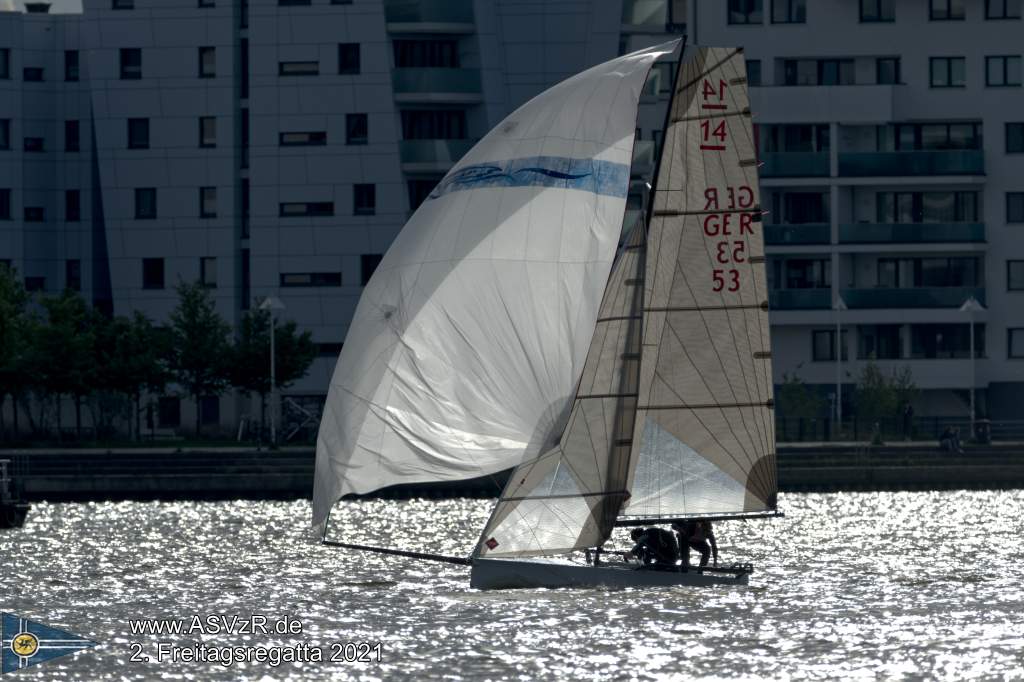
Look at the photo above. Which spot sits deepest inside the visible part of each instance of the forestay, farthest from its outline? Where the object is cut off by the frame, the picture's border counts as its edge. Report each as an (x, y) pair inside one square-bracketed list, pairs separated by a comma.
[(468, 341), (706, 435)]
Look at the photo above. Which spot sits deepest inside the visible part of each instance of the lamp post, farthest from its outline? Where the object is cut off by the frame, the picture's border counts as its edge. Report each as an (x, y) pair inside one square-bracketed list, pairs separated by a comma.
[(971, 306), (839, 306), (272, 304)]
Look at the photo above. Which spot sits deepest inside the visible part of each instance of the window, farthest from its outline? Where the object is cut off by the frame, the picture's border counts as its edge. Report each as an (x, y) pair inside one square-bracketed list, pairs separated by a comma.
[(927, 207), (801, 207), (35, 283), (131, 63), (879, 342), (805, 273), (122, 4), (5, 204), (356, 129), (433, 124), (887, 70), (245, 208), (948, 72), (33, 144), (368, 263), (298, 68), (209, 409), (5, 63), (364, 199), (34, 214), (145, 203), (419, 190), (789, 12), (877, 10), (818, 72), (1015, 343), (207, 131), (946, 10), (1015, 207), (1002, 71), (348, 58), (313, 139), (745, 12), (311, 279), (207, 3), (946, 341), (1014, 138), (794, 138), (929, 136), (169, 411), (71, 65), (754, 72), (1015, 275), (5, 134), (208, 272), (207, 202), (207, 62), (414, 54), (71, 142), (72, 206), (1002, 9), (138, 133), (823, 343), (32, 74), (152, 273), (73, 274), (293, 3), (297, 209)]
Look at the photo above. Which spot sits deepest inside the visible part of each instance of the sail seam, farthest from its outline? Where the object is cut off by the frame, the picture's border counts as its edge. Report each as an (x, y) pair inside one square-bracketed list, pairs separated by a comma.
[(619, 318), (701, 308), (608, 395), (707, 406)]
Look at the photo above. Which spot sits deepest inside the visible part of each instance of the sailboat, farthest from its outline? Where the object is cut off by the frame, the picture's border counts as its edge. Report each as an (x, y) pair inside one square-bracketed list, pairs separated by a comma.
[(497, 333)]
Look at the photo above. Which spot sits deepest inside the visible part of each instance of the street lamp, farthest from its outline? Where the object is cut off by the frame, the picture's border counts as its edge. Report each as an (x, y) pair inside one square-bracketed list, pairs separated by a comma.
[(839, 306), (272, 304), (971, 306)]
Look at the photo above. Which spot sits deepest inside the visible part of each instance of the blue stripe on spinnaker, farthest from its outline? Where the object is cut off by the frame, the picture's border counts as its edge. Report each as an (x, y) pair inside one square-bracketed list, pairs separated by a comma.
[(589, 175)]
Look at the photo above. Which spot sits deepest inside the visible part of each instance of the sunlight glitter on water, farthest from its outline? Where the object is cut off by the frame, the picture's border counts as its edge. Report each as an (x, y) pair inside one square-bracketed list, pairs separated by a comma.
[(847, 586)]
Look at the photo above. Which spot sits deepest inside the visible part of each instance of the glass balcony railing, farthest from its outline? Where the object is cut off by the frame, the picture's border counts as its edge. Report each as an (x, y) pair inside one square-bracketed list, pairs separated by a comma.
[(806, 233), (428, 11), (894, 164), (799, 299), (795, 165), (437, 83), (916, 297), (910, 233), (432, 155)]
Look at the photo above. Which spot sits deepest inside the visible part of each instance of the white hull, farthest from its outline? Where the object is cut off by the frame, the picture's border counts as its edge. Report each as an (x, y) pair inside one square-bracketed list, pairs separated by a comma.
[(499, 574)]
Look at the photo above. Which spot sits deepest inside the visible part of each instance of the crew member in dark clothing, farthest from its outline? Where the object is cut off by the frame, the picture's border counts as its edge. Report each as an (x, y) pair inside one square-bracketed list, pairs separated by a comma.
[(655, 547), (696, 534)]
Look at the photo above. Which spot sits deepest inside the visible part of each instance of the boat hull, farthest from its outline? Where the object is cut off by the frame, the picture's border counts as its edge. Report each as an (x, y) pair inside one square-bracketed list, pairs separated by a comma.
[(12, 514), (502, 574)]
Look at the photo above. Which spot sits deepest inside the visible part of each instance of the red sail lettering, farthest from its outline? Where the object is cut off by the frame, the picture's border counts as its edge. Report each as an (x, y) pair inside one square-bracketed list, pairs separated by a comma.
[(711, 194)]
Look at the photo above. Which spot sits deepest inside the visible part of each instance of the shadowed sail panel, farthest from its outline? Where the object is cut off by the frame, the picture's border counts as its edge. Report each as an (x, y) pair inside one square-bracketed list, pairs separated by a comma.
[(706, 429), (470, 338)]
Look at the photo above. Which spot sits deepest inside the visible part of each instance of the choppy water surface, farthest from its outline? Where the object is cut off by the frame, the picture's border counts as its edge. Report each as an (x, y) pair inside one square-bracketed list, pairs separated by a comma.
[(848, 586)]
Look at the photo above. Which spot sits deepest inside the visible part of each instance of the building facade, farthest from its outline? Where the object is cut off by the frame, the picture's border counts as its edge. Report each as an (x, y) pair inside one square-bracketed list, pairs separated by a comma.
[(276, 147)]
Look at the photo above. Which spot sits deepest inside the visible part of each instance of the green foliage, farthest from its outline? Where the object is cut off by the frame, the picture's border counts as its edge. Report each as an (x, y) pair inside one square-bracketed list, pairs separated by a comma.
[(62, 350), (879, 396), (13, 342), (200, 357), (797, 400)]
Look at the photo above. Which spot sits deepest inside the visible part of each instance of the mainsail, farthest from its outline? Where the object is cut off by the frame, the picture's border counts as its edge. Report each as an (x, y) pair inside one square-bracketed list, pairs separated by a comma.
[(678, 424), (706, 431), (470, 338)]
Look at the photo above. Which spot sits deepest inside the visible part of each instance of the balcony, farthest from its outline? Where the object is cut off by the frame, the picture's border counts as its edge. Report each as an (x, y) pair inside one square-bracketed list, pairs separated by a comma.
[(795, 165), (432, 156), (654, 16), (898, 164), (823, 103), (643, 158), (800, 299), (911, 233), (805, 233), (422, 85), (916, 297), (429, 16)]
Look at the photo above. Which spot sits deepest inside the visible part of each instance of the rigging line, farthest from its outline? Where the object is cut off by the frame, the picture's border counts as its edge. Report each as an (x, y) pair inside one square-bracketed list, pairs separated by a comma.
[(564, 497), (710, 70), (703, 406), (700, 308), (703, 117), (755, 210), (426, 556)]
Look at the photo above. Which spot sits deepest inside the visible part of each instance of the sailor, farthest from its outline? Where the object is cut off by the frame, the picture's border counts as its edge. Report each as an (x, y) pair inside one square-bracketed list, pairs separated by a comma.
[(696, 534), (655, 547)]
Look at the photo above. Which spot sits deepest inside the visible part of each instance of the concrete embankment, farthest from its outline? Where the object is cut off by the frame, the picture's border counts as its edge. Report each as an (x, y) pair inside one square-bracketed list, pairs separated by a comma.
[(241, 473)]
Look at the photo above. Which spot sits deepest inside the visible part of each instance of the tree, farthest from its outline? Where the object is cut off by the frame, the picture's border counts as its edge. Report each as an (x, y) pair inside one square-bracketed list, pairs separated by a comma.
[(13, 344), (199, 357), (64, 345), (797, 400), (879, 396), (294, 352)]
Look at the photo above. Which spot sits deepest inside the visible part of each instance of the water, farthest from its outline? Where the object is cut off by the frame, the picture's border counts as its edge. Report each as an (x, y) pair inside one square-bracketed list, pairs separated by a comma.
[(849, 586)]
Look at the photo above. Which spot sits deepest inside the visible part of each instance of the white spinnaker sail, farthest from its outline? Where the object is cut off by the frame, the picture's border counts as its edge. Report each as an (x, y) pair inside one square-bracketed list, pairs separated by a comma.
[(705, 429), (468, 341)]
